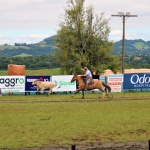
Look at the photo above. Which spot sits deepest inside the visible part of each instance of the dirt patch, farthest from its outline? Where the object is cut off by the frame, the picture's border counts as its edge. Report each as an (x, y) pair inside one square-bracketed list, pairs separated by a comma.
[(99, 146)]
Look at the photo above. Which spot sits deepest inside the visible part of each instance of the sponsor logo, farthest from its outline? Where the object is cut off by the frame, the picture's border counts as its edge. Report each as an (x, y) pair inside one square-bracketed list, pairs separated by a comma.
[(11, 82), (31, 80), (63, 83), (56, 83), (135, 79)]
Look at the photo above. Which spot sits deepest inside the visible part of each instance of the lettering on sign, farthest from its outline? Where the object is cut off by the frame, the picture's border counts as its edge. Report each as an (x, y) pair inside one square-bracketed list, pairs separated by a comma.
[(11, 81), (135, 79)]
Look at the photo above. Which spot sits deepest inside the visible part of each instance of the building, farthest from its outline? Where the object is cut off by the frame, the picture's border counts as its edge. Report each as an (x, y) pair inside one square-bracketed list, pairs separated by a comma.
[(143, 70)]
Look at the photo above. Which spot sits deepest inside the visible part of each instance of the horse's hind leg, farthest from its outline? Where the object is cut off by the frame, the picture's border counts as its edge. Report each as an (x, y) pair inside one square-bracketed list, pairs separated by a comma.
[(103, 93)]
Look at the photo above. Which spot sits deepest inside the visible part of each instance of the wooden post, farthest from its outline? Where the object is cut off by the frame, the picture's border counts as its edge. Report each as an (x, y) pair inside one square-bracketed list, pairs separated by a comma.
[(0, 92)]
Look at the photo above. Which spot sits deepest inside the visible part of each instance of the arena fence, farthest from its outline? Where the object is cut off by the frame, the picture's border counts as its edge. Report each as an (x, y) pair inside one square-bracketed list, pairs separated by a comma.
[(117, 82)]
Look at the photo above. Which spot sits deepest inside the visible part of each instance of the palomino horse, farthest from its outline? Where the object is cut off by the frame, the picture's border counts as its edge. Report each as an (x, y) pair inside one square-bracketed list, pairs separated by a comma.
[(96, 84)]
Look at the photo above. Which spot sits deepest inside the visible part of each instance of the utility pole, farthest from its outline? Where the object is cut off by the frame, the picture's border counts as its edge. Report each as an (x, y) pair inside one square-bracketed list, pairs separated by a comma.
[(123, 16)]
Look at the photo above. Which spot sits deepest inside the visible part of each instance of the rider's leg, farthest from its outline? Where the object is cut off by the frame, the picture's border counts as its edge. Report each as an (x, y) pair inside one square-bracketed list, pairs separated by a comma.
[(86, 87), (88, 81)]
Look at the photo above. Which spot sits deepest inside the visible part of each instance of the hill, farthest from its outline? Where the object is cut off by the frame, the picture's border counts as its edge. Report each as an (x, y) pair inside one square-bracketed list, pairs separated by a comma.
[(132, 47), (42, 48)]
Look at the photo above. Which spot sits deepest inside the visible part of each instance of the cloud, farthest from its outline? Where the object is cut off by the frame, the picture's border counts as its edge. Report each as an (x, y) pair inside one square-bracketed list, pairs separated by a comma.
[(115, 35), (4, 40), (42, 17), (28, 39)]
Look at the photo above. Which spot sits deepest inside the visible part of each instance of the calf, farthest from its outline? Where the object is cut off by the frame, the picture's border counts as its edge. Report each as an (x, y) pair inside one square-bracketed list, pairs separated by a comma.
[(44, 85)]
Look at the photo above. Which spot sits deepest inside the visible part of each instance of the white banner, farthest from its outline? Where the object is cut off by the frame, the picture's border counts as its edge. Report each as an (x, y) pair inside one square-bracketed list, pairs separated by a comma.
[(115, 82), (12, 84), (63, 83)]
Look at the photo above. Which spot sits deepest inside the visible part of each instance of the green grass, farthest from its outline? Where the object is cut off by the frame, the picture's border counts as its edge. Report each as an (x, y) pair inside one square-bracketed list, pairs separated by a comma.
[(22, 55), (3, 73), (44, 72), (67, 97), (140, 45), (2, 47), (34, 124)]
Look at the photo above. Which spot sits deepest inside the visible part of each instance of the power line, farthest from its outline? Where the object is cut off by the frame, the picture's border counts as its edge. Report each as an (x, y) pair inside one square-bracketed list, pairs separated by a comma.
[(123, 16)]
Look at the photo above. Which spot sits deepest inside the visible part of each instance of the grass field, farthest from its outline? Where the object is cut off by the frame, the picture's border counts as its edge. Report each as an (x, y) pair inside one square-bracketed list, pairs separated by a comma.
[(43, 72), (38, 120)]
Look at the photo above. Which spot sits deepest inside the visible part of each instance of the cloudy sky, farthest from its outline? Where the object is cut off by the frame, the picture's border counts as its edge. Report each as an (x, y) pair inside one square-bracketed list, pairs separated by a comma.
[(30, 21)]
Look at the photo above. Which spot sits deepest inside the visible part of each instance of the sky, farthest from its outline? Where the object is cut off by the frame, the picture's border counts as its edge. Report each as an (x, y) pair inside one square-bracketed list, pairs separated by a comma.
[(31, 21)]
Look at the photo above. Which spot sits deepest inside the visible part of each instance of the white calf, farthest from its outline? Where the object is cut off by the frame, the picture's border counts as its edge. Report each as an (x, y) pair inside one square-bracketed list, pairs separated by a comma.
[(44, 85)]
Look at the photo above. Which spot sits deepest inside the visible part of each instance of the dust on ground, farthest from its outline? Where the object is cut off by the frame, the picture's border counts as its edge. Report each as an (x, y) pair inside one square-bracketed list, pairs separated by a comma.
[(98, 146)]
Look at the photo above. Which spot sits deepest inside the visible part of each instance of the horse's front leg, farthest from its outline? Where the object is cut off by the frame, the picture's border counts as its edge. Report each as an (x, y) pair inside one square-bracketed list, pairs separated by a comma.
[(82, 94), (77, 91)]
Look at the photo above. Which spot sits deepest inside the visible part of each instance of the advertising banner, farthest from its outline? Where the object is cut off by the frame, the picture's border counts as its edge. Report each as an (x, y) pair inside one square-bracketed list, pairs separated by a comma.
[(30, 79), (136, 81), (12, 84), (115, 82), (63, 83)]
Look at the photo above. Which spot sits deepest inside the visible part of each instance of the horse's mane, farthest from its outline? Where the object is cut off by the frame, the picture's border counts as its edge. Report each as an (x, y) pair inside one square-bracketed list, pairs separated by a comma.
[(83, 78)]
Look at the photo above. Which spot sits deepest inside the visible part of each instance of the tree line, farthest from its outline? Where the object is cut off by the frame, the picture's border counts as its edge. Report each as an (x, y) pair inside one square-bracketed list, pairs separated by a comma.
[(49, 61), (137, 61), (31, 62), (34, 50)]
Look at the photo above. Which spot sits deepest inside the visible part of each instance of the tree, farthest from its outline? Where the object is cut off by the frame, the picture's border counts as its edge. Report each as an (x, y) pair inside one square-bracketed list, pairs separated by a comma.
[(82, 40)]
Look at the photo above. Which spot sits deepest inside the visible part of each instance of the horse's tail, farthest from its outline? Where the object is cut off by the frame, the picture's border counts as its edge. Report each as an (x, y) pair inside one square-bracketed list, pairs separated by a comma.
[(107, 86)]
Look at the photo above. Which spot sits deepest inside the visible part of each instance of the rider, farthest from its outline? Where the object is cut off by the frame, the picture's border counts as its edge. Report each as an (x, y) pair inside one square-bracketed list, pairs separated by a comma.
[(88, 75)]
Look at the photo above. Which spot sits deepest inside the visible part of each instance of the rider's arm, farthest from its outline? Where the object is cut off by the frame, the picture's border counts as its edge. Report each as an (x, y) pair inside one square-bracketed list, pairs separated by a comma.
[(83, 74)]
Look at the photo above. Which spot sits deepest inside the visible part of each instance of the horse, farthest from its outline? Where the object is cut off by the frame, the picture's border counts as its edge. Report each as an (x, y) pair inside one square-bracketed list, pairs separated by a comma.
[(96, 84)]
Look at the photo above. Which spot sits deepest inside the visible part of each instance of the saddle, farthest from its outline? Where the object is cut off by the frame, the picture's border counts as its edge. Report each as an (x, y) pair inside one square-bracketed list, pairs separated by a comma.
[(84, 79)]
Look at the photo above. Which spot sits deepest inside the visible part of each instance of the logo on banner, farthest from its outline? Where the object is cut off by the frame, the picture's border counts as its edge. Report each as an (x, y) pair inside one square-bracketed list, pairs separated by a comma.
[(63, 83), (11, 81), (135, 79), (138, 81)]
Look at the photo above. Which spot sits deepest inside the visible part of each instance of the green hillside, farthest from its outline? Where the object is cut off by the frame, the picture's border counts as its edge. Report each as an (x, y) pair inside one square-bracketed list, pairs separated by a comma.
[(141, 45), (39, 55), (44, 47), (47, 47), (5, 47), (132, 47)]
